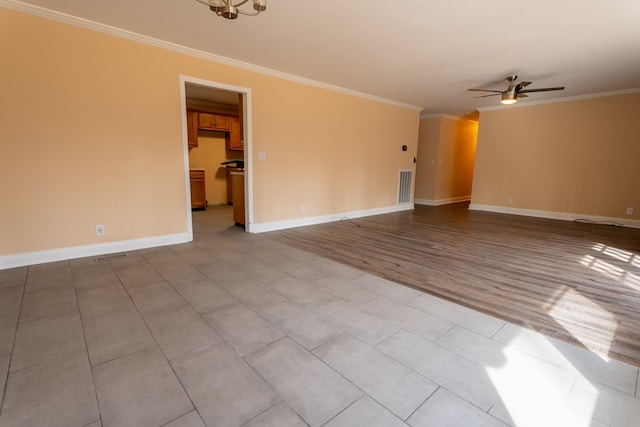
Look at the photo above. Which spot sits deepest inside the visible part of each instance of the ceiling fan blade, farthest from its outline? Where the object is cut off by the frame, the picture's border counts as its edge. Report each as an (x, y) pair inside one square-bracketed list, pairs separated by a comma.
[(485, 90), (523, 84), (484, 96), (522, 95), (543, 89)]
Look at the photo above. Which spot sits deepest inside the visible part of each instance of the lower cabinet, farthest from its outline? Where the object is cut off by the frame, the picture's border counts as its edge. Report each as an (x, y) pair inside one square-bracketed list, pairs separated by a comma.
[(237, 187), (198, 190), (230, 170)]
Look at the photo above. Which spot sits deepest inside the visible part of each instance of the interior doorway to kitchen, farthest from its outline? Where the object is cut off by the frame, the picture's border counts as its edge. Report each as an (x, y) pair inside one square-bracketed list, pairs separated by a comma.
[(217, 147)]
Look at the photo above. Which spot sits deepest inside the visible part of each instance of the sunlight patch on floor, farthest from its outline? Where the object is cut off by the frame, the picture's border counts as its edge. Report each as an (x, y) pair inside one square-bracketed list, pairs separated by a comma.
[(601, 266), (607, 323), (620, 254), (533, 392)]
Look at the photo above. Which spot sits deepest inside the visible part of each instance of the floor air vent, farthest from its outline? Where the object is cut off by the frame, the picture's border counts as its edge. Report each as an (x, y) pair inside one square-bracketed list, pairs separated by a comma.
[(404, 187), (110, 256)]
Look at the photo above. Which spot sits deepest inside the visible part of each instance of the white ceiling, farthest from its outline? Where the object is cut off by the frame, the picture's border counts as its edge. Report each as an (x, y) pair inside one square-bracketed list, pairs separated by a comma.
[(425, 53)]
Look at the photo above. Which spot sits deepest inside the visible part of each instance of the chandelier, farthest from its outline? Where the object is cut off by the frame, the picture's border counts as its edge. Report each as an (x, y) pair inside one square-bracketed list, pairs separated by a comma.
[(227, 9)]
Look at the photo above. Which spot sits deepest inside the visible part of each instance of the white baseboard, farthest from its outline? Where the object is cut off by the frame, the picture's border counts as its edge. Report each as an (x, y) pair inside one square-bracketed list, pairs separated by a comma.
[(301, 222), (565, 216), (40, 257), (52, 255), (439, 202)]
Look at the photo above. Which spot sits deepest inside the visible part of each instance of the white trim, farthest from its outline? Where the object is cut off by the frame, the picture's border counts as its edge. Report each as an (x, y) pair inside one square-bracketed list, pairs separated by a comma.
[(39, 257), (129, 35), (185, 156), (439, 202), (560, 100), (302, 222), (565, 216), (248, 159), (447, 116), (437, 116), (248, 138), (440, 116)]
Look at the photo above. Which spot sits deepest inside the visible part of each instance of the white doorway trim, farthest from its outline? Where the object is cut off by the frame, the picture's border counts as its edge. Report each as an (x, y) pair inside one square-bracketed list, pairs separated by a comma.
[(248, 138)]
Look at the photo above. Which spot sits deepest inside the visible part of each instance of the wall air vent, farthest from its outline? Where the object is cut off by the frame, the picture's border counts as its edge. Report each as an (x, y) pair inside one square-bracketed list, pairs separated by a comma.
[(404, 187)]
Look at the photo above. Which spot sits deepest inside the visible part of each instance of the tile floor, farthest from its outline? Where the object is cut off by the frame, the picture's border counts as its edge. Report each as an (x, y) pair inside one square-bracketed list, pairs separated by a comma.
[(240, 330)]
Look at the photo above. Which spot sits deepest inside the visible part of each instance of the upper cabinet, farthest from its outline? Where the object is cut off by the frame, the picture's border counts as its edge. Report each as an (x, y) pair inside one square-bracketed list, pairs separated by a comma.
[(234, 137), (213, 122), (230, 125), (192, 128)]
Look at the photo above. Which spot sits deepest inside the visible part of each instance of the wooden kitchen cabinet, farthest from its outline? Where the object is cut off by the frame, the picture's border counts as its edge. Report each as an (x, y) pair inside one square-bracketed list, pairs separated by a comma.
[(237, 183), (198, 190), (212, 121), (234, 137), (192, 128), (229, 170)]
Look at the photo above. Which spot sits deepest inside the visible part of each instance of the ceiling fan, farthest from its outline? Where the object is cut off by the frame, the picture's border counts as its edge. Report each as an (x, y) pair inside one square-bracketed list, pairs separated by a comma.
[(514, 91)]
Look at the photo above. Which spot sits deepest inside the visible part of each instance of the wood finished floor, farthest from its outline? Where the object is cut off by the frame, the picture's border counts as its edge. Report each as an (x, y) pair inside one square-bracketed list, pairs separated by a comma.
[(575, 281)]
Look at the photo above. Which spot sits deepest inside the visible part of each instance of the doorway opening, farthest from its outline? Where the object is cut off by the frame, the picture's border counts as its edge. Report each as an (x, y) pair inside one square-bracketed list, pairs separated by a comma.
[(217, 146)]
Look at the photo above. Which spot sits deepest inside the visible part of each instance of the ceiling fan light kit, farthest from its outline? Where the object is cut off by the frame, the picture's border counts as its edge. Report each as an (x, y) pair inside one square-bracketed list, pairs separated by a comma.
[(509, 97), (514, 91), (227, 9)]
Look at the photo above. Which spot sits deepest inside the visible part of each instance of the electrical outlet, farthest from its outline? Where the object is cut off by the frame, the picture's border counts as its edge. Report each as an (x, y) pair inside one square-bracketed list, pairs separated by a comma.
[(629, 211), (100, 231), (509, 200), (262, 155)]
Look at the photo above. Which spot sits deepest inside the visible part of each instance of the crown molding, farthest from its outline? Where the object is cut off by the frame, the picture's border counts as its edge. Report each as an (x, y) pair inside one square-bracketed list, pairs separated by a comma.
[(130, 35), (561, 100), (446, 116), (440, 116)]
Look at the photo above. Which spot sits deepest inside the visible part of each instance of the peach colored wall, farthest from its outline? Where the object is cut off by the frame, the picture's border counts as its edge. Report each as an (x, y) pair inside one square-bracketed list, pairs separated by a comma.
[(335, 154), (428, 155), (446, 154), (572, 157), (457, 153), (92, 134)]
